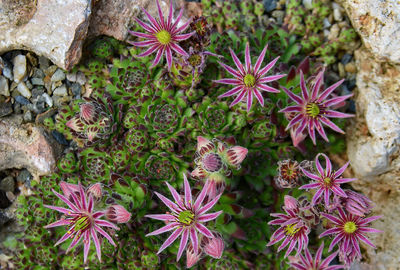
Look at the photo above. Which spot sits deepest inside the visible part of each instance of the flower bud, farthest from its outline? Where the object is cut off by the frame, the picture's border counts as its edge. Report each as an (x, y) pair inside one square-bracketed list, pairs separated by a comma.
[(117, 214), (214, 247), (291, 203), (96, 191)]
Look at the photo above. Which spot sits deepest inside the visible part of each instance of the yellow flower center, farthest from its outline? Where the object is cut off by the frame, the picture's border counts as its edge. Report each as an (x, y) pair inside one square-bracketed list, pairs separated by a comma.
[(186, 217), (82, 223), (350, 227), (327, 181), (249, 80), (312, 110), (291, 229), (164, 37)]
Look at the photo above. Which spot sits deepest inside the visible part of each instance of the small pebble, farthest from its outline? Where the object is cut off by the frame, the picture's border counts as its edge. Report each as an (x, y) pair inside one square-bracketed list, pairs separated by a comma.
[(50, 70), (337, 14), (48, 99), (76, 90), (326, 23), (19, 69), (37, 81), (7, 184), (59, 75), (278, 14), (28, 84), (60, 91), (59, 137), (307, 4), (37, 91), (350, 67), (269, 5), (17, 108), (28, 116), (39, 105), (44, 63), (80, 78), (38, 73), (334, 32), (24, 176), (21, 100), (60, 101), (346, 58), (7, 72), (351, 84), (5, 108), (71, 77), (54, 85), (4, 89), (24, 90), (342, 73)]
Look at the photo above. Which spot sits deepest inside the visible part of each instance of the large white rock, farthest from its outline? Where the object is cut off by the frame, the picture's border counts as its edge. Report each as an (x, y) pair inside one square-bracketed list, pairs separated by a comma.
[(378, 23), (55, 29)]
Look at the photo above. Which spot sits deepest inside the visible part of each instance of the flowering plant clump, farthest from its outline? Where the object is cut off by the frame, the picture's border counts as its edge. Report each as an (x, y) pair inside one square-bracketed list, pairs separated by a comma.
[(82, 221), (143, 123), (186, 218), (348, 228)]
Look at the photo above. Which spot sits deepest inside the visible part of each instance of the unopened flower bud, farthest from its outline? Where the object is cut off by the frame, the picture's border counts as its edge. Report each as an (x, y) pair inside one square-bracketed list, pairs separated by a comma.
[(214, 247), (117, 214), (291, 203), (96, 191)]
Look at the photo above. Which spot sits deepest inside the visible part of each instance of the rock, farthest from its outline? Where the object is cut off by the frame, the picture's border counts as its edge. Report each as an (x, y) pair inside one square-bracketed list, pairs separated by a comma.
[(326, 23), (346, 58), (7, 71), (80, 78), (24, 90), (378, 24), (21, 100), (4, 90), (350, 67), (7, 184), (54, 29), (37, 81), (44, 62), (373, 149), (47, 99), (24, 176), (308, 4), (337, 13), (60, 91), (71, 77), (334, 32), (59, 75), (28, 116), (269, 5), (5, 108), (278, 14), (20, 68), (76, 90), (26, 146), (114, 18)]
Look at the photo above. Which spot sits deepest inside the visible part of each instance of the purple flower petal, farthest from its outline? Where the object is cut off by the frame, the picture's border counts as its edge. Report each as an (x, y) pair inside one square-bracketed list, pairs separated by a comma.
[(208, 217), (164, 229), (260, 59), (203, 230), (170, 239)]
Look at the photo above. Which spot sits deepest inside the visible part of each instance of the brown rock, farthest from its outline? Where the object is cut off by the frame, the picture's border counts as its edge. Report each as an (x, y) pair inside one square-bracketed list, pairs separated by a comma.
[(54, 29), (113, 18), (26, 146)]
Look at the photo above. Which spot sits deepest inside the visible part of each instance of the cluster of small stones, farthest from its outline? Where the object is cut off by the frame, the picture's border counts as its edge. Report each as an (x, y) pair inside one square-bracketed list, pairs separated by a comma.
[(31, 85)]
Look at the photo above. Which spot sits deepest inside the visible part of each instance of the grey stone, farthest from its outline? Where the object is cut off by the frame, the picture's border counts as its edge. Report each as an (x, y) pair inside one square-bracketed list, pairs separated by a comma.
[(21, 100), (59, 75), (20, 68), (44, 62), (307, 4), (28, 116), (48, 99), (337, 13), (71, 77), (7, 184), (38, 73), (4, 89), (76, 90), (278, 14), (24, 176), (60, 91), (24, 90), (80, 78), (5, 108), (270, 5), (37, 81)]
